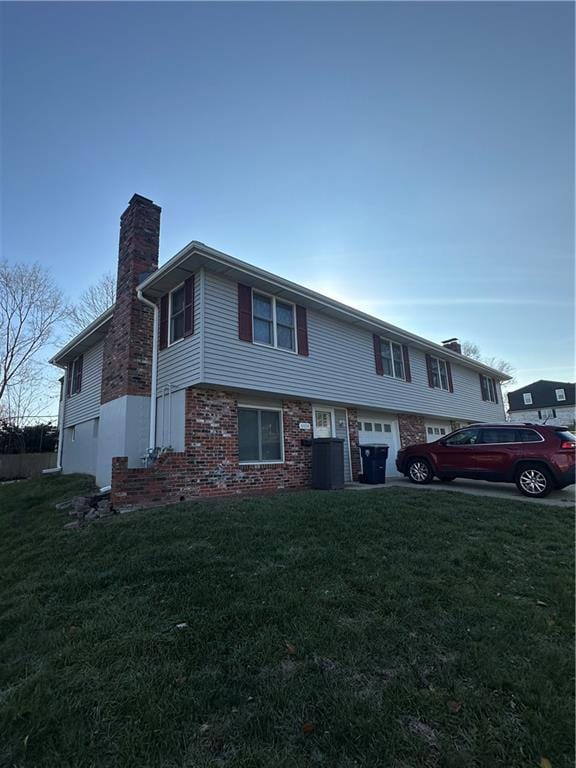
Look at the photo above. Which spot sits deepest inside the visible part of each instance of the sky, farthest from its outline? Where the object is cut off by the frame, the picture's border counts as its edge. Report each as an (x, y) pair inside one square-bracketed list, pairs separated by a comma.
[(415, 160)]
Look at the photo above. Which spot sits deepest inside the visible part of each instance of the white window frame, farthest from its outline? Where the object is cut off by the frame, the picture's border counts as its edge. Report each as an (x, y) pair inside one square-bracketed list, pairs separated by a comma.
[(527, 397), (439, 360), (274, 321), (252, 407), (558, 398), (491, 389), (73, 367), (181, 338), (384, 341)]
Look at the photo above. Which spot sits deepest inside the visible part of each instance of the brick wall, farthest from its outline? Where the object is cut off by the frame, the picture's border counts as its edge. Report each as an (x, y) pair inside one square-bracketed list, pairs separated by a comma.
[(127, 363), (209, 464), (354, 442), (412, 429)]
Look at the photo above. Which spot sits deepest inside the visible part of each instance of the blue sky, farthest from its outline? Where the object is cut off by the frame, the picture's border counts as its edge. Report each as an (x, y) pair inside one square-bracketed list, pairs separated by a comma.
[(413, 159)]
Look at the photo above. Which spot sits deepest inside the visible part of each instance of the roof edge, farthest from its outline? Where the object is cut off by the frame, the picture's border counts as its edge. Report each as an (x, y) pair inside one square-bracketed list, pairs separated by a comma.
[(379, 325), (95, 325)]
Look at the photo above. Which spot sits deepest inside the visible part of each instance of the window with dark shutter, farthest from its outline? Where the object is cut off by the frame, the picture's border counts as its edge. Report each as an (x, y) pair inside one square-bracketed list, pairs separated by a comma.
[(449, 372), (189, 306), (164, 301), (302, 330), (244, 312), (378, 355), (406, 356)]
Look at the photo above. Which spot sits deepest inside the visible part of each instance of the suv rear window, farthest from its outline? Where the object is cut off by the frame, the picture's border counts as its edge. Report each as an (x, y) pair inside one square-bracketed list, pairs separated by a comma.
[(563, 434), (528, 436)]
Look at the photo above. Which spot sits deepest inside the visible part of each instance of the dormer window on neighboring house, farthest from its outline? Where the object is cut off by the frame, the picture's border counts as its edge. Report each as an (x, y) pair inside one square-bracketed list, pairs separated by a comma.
[(74, 382), (560, 395), (527, 398), (274, 322)]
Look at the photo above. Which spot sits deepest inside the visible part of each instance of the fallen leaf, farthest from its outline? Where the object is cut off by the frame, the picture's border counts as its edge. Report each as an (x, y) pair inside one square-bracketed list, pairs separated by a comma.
[(290, 649), (541, 602), (545, 763), (454, 706), (182, 625), (204, 727), (308, 728)]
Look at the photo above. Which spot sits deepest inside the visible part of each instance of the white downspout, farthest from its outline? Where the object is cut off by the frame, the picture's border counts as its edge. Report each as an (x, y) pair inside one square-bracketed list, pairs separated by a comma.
[(61, 416), (153, 387)]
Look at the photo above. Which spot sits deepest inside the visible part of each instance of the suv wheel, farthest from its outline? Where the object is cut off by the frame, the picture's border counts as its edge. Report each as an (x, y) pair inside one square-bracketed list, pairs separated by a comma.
[(420, 471), (534, 480)]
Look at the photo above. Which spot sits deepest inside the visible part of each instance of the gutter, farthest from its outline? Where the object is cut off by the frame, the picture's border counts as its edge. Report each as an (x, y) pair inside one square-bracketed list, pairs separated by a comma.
[(154, 382)]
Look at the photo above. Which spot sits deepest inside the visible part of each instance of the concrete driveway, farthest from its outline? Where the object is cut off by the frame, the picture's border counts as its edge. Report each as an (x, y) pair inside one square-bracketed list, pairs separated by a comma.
[(564, 498)]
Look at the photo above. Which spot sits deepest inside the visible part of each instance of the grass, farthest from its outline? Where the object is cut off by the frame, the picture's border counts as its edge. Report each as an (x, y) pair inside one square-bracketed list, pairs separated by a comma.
[(380, 628)]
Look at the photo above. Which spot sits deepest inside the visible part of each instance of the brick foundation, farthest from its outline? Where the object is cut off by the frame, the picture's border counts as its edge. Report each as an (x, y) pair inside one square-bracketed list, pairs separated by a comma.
[(209, 464), (412, 429)]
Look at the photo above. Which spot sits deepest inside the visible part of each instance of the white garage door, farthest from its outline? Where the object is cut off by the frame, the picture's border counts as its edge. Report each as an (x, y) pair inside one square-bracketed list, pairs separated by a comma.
[(380, 430), (436, 429)]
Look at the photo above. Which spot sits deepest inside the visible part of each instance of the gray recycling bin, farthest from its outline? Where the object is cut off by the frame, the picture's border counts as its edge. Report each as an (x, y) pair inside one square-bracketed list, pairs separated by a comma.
[(374, 463), (327, 463)]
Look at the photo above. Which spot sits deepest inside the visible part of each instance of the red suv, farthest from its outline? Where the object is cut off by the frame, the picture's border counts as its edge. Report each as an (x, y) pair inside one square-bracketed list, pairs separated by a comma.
[(537, 458)]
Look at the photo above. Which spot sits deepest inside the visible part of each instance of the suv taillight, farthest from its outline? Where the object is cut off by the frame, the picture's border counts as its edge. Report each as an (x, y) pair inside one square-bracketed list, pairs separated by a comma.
[(567, 445)]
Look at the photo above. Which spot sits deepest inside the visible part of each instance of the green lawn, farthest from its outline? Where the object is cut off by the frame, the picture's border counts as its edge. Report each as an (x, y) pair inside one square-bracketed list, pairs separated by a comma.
[(380, 628)]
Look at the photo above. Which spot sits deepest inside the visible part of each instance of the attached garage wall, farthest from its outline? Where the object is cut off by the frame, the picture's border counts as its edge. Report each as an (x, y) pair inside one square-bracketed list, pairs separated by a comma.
[(379, 437)]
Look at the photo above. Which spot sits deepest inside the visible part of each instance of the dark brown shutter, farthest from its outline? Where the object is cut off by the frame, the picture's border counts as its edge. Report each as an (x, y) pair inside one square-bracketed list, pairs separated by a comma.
[(189, 306), (378, 354), (406, 357), (244, 312), (495, 390), (69, 379), (429, 370), (481, 386), (449, 373), (302, 330), (164, 321)]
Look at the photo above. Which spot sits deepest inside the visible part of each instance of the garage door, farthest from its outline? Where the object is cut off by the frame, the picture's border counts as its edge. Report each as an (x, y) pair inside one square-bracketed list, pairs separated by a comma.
[(436, 429), (380, 430)]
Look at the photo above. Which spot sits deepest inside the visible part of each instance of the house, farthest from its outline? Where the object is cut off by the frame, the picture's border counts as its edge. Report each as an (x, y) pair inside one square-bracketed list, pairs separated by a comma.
[(208, 375), (544, 402)]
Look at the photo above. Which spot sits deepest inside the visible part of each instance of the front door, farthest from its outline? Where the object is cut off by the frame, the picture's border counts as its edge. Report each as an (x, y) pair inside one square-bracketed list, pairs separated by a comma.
[(322, 423)]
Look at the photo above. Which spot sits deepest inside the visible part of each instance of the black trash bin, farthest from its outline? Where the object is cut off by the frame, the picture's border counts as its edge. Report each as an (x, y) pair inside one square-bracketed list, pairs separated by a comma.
[(327, 463), (374, 463)]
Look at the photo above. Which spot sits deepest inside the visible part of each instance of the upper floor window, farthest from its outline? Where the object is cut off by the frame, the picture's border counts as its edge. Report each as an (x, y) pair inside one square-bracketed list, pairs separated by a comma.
[(392, 359), (273, 322), (74, 384), (488, 387), (560, 395), (177, 314), (527, 398), (439, 373)]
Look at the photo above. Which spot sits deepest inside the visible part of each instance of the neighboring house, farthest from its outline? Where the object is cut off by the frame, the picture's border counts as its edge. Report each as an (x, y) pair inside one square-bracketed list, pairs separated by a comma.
[(544, 402), (243, 367)]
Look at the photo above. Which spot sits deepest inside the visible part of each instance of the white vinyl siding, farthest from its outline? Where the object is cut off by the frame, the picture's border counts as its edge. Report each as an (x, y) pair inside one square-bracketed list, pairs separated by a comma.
[(340, 367), (179, 364), (85, 404)]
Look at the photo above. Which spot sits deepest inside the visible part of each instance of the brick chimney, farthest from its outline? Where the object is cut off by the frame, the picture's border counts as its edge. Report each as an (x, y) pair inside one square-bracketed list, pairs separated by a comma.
[(453, 344), (127, 363)]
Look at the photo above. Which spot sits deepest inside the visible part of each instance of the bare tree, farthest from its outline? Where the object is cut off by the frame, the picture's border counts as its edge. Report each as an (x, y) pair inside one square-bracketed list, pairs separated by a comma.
[(30, 308), (470, 349), (92, 302)]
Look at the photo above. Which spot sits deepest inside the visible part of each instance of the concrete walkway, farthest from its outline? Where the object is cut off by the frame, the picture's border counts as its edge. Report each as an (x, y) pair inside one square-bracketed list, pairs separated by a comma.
[(564, 498)]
